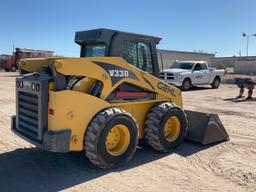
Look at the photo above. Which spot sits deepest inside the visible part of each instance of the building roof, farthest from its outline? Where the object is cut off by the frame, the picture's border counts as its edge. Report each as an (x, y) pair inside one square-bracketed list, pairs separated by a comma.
[(238, 58), (186, 52), (31, 50)]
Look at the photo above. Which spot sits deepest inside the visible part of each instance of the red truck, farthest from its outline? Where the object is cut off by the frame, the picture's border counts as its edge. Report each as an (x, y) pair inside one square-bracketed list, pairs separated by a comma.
[(9, 62), (3, 60)]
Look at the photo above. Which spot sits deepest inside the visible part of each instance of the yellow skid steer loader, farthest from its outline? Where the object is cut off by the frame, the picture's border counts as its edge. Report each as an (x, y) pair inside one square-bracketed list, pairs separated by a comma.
[(105, 101)]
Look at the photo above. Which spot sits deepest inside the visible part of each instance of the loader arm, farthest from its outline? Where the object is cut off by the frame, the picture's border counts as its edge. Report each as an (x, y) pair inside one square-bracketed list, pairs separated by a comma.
[(111, 71)]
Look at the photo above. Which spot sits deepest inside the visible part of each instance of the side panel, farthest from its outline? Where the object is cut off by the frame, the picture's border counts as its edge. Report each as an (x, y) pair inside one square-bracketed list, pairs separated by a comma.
[(215, 73), (206, 76), (73, 110)]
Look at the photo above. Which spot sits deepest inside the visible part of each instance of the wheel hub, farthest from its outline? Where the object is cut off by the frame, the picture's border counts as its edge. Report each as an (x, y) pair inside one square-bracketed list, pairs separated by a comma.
[(117, 140), (172, 129)]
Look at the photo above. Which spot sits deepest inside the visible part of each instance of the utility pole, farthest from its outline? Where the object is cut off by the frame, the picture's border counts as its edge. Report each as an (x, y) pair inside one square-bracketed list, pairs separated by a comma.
[(247, 40)]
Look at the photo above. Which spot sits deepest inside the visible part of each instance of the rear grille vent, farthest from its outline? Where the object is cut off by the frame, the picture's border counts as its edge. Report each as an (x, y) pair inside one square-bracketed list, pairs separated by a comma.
[(28, 113)]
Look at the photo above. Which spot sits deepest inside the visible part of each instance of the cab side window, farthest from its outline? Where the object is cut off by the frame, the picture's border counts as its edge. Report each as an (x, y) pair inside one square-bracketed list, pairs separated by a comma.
[(204, 66), (138, 54), (197, 67)]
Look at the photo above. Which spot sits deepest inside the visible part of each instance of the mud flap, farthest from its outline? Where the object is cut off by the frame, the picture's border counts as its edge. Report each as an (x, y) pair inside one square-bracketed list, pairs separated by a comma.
[(205, 128)]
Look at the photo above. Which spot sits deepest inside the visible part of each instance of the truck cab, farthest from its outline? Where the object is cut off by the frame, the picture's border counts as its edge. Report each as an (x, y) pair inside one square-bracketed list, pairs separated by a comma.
[(6, 60)]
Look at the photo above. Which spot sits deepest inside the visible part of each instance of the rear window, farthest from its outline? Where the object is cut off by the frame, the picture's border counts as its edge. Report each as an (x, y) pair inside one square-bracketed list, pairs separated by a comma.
[(94, 50)]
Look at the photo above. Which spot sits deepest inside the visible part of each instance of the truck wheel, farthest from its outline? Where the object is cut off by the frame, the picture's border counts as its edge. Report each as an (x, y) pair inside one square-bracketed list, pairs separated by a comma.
[(13, 68), (165, 127), (216, 83), (111, 138), (186, 85), (6, 69)]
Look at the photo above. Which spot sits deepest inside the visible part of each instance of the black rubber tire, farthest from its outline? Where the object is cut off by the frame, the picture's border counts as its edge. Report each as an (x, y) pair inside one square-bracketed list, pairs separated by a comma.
[(6, 69), (13, 68), (186, 84), (96, 134), (216, 83), (154, 127)]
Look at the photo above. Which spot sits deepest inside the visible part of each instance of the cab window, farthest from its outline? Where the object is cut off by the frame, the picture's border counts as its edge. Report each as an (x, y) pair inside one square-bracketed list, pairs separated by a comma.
[(94, 50), (3, 57), (197, 67), (204, 66), (138, 54)]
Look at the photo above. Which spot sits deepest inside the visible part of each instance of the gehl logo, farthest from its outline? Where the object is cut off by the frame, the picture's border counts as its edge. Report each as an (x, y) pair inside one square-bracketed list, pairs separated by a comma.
[(118, 73), (166, 88)]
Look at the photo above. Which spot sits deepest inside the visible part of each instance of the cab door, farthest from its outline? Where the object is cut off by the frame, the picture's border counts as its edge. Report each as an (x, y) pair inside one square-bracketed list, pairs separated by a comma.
[(197, 74), (206, 73)]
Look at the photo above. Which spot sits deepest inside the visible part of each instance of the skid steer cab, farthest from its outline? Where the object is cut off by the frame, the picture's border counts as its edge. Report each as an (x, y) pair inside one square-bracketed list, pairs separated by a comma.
[(101, 103)]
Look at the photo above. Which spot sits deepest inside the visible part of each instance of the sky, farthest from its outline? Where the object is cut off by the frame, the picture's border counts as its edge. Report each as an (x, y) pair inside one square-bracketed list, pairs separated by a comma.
[(213, 26)]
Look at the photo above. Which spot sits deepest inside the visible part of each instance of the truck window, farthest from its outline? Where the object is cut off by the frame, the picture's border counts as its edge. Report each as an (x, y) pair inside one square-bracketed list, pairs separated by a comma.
[(204, 66), (138, 54), (3, 57), (198, 67)]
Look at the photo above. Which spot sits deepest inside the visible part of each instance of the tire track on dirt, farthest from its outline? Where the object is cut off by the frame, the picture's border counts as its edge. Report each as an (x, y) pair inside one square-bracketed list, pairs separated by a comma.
[(213, 162)]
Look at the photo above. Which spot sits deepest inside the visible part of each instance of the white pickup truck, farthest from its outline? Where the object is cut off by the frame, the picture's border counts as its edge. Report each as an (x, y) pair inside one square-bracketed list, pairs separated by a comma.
[(186, 74)]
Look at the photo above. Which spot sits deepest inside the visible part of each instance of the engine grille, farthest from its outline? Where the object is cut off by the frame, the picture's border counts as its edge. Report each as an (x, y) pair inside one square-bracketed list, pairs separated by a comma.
[(28, 113)]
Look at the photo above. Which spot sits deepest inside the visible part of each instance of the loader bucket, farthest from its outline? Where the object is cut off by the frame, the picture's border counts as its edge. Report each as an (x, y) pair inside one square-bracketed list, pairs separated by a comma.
[(205, 128)]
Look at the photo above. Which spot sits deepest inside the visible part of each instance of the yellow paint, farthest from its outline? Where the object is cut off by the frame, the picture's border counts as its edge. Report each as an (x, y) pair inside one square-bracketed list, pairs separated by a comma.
[(172, 128), (118, 140), (86, 67), (73, 110)]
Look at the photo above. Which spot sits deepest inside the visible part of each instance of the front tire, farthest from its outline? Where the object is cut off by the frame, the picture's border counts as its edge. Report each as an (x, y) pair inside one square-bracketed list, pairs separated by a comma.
[(165, 127), (13, 68), (186, 85), (111, 138)]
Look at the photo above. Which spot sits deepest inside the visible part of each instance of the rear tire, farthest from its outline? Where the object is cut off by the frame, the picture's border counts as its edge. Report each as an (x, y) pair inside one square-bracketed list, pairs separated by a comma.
[(216, 83), (161, 118), (111, 138), (186, 85)]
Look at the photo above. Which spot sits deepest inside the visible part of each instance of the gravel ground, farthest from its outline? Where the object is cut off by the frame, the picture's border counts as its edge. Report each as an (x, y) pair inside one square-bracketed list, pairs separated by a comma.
[(229, 166)]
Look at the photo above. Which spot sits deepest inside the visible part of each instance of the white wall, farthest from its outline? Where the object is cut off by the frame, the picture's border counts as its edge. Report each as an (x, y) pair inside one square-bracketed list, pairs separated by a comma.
[(167, 58)]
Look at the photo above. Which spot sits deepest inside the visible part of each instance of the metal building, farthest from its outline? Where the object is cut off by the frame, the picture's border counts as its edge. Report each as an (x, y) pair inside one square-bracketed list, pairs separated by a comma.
[(166, 58)]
